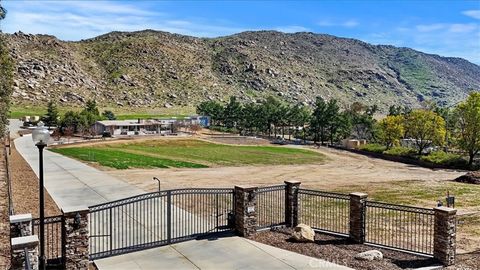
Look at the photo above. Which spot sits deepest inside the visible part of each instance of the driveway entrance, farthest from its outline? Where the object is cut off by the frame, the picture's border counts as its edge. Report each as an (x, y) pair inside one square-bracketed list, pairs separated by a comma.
[(225, 253)]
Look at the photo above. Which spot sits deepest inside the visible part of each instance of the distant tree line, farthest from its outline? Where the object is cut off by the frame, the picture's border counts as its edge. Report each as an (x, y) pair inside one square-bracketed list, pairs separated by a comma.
[(457, 127), (75, 122), (271, 117)]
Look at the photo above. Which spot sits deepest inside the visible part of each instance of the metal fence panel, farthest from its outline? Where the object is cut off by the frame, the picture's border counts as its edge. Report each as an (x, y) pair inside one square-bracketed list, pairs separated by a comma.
[(156, 219), (324, 211), (270, 206), (400, 227), (54, 239)]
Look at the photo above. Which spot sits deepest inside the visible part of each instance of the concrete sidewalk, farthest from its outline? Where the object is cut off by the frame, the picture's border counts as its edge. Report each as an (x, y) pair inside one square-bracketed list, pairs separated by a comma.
[(222, 253), (72, 183)]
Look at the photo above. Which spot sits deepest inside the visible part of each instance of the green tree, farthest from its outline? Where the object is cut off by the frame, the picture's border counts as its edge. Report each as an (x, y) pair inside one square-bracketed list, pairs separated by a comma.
[(3, 12), (91, 107), (391, 129), (362, 121), (270, 110), (426, 127), (6, 79), (232, 112), (332, 115), (52, 117), (467, 128), (319, 120), (109, 115), (212, 109), (69, 121)]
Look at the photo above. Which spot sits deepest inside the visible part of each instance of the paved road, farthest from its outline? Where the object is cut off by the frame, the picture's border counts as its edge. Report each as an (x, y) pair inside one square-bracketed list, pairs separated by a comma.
[(223, 253), (72, 183)]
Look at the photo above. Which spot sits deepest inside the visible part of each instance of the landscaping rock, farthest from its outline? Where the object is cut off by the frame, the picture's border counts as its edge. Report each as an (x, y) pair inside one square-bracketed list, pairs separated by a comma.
[(303, 233), (470, 178), (369, 255)]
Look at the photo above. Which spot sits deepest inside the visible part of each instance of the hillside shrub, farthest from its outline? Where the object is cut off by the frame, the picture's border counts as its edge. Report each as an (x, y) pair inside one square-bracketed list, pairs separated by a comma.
[(443, 158), (400, 151), (373, 147)]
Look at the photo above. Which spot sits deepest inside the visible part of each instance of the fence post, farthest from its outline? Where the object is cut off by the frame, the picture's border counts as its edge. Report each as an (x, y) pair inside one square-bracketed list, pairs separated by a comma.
[(25, 252), (444, 239), (23, 243), (245, 210), (357, 217), (21, 225), (76, 237), (291, 203)]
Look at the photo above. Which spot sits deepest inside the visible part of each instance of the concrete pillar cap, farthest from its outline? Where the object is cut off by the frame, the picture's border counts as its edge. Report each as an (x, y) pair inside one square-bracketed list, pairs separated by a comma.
[(292, 182), (445, 209), (74, 209), (359, 194), (20, 218), (246, 187)]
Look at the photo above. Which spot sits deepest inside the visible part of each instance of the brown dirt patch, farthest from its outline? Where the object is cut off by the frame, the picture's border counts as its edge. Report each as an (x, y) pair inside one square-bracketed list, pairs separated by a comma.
[(25, 188), (340, 251), (341, 169)]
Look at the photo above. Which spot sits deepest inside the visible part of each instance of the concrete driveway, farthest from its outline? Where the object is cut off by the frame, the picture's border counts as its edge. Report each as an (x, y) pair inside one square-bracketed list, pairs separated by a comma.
[(72, 183), (222, 253)]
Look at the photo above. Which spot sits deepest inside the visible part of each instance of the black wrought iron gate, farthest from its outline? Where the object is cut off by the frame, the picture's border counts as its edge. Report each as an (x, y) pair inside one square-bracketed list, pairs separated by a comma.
[(158, 218), (54, 240)]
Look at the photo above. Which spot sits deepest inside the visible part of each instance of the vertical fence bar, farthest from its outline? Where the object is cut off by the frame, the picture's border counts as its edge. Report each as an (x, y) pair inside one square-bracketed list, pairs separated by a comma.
[(169, 217)]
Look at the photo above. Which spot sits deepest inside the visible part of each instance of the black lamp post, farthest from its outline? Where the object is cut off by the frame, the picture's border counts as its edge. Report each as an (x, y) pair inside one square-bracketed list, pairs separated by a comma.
[(40, 137)]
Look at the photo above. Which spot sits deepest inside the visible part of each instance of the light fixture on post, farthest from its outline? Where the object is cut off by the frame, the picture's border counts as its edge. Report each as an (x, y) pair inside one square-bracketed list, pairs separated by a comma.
[(40, 137)]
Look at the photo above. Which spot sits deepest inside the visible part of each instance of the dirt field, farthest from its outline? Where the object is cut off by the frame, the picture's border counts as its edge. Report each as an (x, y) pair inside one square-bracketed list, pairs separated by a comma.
[(341, 169), (25, 188)]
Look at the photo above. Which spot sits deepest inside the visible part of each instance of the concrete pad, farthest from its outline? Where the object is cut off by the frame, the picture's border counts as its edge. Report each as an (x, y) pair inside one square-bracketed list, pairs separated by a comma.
[(222, 253)]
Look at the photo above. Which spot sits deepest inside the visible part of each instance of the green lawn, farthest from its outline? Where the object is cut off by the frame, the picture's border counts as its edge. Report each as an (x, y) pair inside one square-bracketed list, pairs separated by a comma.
[(188, 153)]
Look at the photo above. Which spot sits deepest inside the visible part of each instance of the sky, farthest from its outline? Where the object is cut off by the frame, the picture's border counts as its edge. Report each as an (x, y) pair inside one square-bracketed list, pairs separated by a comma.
[(447, 28)]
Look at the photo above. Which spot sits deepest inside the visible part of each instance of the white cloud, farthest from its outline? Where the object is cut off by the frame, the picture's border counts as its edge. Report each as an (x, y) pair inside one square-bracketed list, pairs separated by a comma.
[(430, 27), (292, 29), (463, 28), (74, 20), (474, 13), (329, 23)]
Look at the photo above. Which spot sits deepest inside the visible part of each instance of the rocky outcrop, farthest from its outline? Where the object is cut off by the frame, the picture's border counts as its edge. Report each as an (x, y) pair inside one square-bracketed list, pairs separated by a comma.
[(151, 69)]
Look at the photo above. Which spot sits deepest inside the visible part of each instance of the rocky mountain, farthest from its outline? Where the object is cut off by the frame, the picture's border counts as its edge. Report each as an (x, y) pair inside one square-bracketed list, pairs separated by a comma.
[(159, 69)]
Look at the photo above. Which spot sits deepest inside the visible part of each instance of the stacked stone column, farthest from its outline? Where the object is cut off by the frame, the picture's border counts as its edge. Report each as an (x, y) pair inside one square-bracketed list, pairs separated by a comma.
[(357, 217), (76, 238), (291, 203), (245, 210), (444, 244), (23, 243)]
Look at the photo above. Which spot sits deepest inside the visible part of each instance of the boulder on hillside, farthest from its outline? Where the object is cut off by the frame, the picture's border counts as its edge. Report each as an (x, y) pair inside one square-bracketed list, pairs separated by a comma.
[(470, 178), (303, 233), (369, 255)]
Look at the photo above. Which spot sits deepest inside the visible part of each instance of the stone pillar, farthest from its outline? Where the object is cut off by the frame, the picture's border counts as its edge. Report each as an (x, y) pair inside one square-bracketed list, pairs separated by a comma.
[(444, 239), (291, 203), (22, 248), (245, 210), (20, 225), (357, 217), (76, 237)]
